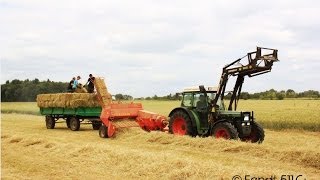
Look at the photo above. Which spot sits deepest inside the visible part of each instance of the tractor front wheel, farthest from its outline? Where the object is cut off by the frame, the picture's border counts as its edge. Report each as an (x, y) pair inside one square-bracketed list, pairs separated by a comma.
[(180, 124), (50, 122), (103, 131), (256, 135), (224, 130), (74, 124)]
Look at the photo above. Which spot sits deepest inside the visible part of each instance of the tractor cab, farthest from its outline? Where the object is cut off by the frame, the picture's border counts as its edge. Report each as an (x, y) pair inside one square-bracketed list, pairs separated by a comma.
[(197, 102), (194, 98), (191, 97), (194, 112)]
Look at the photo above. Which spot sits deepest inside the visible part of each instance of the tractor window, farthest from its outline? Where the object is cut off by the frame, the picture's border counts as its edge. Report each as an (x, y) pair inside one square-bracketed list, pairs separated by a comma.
[(211, 96), (197, 99), (187, 99), (220, 103)]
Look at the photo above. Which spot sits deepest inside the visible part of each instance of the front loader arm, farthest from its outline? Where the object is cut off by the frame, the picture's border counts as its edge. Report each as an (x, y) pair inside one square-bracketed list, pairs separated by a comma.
[(258, 63)]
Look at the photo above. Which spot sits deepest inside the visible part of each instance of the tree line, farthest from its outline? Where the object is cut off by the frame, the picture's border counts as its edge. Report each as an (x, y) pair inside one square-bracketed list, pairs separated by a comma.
[(266, 95), (27, 91), (279, 95)]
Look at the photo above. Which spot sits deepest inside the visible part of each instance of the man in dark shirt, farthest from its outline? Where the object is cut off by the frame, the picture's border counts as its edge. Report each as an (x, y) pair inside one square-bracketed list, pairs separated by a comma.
[(90, 84), (202, 104), (202, 108), (71, 84)]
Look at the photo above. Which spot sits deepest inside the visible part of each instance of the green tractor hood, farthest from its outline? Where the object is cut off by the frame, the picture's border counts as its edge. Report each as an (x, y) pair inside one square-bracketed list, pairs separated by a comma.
[(230, 113)]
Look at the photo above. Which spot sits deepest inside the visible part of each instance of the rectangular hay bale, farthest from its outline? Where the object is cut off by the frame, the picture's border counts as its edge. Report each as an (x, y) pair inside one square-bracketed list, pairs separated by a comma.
[(67, 100)]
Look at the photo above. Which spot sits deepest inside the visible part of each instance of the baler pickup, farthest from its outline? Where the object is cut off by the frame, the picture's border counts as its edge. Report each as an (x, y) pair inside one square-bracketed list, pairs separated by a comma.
[(151, 121)]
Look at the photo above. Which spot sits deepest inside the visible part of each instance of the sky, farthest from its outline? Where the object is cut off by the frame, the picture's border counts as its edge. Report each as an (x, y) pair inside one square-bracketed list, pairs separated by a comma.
[(146, 47)]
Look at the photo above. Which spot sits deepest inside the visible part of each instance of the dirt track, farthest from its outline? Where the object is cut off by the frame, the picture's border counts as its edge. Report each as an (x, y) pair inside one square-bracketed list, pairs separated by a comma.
[(29, 150)]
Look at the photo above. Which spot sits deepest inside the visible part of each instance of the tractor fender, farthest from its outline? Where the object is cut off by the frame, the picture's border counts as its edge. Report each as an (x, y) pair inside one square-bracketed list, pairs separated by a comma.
[(190, 114), (222, 120)]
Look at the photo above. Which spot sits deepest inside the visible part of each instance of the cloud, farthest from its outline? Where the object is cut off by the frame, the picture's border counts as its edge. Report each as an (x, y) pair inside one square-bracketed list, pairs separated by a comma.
[(158, 47)]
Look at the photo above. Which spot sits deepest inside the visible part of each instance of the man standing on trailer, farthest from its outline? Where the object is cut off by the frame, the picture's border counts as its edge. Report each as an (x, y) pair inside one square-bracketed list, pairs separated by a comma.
[(76, 83), (70, 85), (90, 84)]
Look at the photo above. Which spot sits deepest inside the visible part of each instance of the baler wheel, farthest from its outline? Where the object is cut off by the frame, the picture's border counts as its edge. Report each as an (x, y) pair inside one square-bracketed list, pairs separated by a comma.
[(74, 124), (256, 135), (224, 130), (50, 122), (180, 124), (103, 131)]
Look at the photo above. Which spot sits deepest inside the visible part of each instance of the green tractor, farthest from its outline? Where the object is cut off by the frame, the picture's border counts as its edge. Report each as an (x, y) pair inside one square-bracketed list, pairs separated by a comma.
[(203, 112)]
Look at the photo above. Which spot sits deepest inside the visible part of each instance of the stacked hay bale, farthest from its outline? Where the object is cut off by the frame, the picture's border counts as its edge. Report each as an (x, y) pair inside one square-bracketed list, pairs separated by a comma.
[(68, 100), (78, 99), (102, 91), (81, 89)]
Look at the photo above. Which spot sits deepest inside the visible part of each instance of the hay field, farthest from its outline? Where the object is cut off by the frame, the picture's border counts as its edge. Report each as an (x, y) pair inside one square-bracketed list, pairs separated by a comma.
[(20, 107), (285, 114), (29, 150)]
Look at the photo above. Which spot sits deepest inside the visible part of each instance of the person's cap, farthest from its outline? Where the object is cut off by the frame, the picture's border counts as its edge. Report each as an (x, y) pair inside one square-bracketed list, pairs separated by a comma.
[(90, 74)]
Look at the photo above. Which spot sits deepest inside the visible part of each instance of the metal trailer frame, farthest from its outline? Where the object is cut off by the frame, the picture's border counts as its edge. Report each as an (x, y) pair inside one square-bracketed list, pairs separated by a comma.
[(79, 115)]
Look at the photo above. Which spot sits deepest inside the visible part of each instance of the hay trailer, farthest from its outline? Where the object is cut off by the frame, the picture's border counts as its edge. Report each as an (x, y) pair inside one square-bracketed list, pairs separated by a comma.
[(72, 116), (117, 111)]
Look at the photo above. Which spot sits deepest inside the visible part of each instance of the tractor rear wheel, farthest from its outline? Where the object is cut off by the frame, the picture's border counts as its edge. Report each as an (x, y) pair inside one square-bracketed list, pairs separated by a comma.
[(50, 122), (103, 131), (224, 130), (74, 124), (256, 135), (96, 125), (180, 124)]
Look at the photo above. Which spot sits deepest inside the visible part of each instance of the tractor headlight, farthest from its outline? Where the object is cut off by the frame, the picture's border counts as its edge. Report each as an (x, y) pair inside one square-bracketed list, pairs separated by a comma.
[(246, 117)]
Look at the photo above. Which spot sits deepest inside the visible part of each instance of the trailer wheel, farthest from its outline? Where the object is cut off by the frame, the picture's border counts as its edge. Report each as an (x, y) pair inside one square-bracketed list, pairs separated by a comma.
[(103, 131), (68, 122), (224, 130), (96, 125), (74, 124), (180, 124), (256, 135), (50, 122)]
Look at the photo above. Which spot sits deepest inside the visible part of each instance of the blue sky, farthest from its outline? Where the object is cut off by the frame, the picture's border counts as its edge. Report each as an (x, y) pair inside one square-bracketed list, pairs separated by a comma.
[(149, 47)]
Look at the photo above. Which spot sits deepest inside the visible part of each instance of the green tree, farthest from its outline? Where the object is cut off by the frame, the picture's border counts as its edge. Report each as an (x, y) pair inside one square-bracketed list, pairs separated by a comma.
[(119, 97), (245, 95), (290, 93)]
